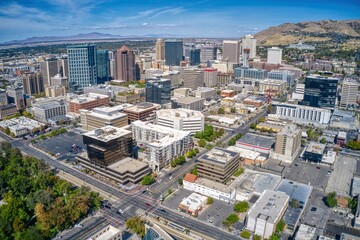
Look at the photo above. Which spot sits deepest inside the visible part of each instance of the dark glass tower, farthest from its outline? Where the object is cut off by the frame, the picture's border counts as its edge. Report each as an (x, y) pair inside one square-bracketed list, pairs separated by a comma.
[(194, 57), (173, 52), (158, 90), (320, 91), (103, 66)]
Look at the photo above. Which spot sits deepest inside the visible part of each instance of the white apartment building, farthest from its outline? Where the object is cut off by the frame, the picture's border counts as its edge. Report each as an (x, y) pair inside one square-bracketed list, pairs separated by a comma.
[(301, 114), (274, 55), (44, 111), (266, 213), (162, 144), (181, 119), (349, 92)]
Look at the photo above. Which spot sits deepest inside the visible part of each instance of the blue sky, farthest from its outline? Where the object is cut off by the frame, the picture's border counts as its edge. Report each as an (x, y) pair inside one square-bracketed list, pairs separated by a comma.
[(204, 18)]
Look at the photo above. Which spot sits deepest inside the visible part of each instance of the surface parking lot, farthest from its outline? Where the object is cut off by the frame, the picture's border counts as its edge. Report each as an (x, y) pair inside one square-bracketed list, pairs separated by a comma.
[(62, 144), (216, 213), (307, 172)]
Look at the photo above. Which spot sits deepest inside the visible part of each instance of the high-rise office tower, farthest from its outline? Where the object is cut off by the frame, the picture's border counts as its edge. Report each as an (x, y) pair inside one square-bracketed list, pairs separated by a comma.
[(274, 55), (63, 67), (16, 95), (287, 145), (33, 83), (210, 77), (249, 42), (187, 47), (111, 64), (231, 51), (158, 90), (82, 66), (49, 68), (173, 52), (349, 92), (125, 64), (194, 57), (193, 78), (102, 64), (320, 91), (3, 98), (207, 53), (160, 49)]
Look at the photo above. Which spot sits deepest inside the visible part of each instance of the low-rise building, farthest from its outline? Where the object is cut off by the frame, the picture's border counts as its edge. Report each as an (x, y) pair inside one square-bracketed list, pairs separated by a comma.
[(205, 92), (162, 144), (88, 101), (305, 232), (301, 114), (272, 87), (256, 142), (193, 103), (341, 139), (218, 164), (143, 111), (55, 91), (254, 101), (343, 120), (314, 152), (21, 126), (193, 204), (130, 97), (108, 232), (8, 110), (181, 92), (357, 215), (209, 188), (266, 213), (101, 117), (227, 93), (47, 110), (248, 157), (181, 119)]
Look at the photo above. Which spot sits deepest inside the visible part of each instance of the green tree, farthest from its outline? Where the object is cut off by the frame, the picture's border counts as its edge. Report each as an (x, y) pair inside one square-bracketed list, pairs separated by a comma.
[(148, 180), (233, 110), (232, 218), (232, 142), (210, 200), (180, 181), (173, 164), (257, 237), (245, 234), (354, 145), (330, 200), (274, 237), (136, 225), (221, 110), (280, 226), (202, 143), (241, 206), (294, 203), (323, 140), (239, 172), (195, 170), (253, 126), (7, 131)]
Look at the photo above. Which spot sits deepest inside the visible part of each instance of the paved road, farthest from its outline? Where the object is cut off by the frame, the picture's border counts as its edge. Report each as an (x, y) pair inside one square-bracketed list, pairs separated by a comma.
[(137, 200)]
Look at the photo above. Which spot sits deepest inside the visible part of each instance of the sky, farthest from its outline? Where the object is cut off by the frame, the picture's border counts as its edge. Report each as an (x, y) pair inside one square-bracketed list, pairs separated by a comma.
[(20, 19)]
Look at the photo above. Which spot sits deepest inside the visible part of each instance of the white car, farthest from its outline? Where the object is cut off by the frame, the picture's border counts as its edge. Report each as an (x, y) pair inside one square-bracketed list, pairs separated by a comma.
[(170, 177), (79, 225), (121, 211)]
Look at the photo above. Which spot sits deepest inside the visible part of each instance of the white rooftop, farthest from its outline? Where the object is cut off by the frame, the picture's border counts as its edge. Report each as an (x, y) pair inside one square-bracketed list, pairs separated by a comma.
[(305, 232), (269, 206), (194, 201), (88, 97), (106, 233), (109, 113), (107, 133), (179, 113)]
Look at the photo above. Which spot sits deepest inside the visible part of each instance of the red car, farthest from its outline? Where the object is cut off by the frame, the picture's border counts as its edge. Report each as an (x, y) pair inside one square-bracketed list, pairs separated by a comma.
[(147, 204)]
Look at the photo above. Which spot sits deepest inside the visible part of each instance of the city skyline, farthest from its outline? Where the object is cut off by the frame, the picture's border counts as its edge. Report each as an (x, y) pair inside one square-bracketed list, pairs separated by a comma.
[(40, 18)]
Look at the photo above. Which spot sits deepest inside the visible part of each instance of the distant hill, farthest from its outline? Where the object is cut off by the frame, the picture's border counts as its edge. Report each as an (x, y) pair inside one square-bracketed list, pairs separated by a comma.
[(315, 31)]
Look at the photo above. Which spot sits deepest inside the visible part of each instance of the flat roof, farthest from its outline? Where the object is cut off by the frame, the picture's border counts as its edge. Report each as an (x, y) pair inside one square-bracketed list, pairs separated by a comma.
[(48, 105), (107, 133), (220, 155), (204, 89), (317, 148), (257, 182), (290, 131), (214, 185), (188, 100), (194, 201), (269, 206), (257, 140), (142, 107), (127, 164), (107, 232), (305, 232), (87, 97), (355, 188), (179, 113), (299, 191), (109, 113)]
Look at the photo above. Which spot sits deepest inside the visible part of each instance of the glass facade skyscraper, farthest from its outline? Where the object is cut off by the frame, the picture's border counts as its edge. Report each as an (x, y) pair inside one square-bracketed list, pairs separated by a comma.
[(82, 66), (173, 52), (158, 90), (194, 57), (103, 66), (320, 91)]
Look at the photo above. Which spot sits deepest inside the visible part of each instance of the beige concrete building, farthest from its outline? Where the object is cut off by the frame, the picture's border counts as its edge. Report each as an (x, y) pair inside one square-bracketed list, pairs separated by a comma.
[(349, 93), (218, 165), (193, 78), (160, 49), (55, 91), (143, 111), (272, 87), (287, 144), (101, 117)]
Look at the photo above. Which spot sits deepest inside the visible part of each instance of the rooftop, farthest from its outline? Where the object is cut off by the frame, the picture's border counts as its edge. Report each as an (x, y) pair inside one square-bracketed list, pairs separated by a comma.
[(108, 113), (188, 100), (141, 107), (257, 140), (316, 148), (214, 185), (355, 189), (269, 206), (88, 97), (305, 232), (179, 113), (219, 155), (190, 177), (108, 232), (290, 131), (204, 89), (247, 154), (194, 201), (273, 82), (49, 105), (127, 164), (107, 133)]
